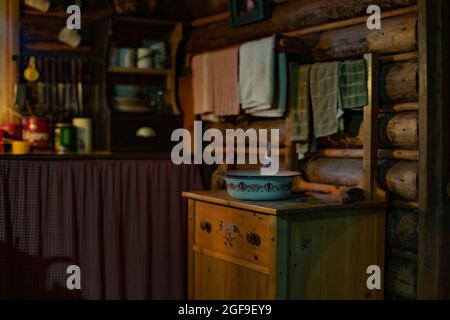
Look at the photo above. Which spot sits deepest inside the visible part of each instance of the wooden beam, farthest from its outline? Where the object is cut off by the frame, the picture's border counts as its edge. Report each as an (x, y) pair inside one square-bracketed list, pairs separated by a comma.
[(297, 17), (349, 22), (434, 116), (370, 158)]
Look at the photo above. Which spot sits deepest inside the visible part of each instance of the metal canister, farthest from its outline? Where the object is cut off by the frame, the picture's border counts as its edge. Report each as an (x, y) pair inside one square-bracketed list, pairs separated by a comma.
[(64, 138), (37, 132), (83, 130)]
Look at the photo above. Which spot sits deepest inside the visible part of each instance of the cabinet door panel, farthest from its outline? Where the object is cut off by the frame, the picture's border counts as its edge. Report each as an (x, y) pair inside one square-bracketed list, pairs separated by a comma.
[(220, 280)]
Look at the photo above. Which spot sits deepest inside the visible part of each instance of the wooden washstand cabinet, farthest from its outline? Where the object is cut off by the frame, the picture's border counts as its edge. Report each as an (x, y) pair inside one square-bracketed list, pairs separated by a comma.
[(295, 249)]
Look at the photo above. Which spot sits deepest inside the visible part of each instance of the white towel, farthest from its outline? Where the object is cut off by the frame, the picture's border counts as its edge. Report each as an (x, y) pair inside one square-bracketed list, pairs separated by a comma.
[(279, 108), (257, 75)]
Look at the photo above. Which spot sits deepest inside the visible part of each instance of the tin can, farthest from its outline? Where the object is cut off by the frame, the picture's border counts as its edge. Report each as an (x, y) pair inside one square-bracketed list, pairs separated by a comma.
[(12, 131), (37, 132), (64, 138), (83, 129)]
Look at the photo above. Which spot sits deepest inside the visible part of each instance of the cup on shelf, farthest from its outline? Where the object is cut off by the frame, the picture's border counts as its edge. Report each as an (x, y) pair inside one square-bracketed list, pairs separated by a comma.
[(144, 58), (20, 148), (83, 128), (158, 51), (127, 58), (69, 37)]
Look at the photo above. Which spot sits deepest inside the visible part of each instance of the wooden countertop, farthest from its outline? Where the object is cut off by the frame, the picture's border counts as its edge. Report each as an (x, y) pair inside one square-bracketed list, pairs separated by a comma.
[(296, 203), (91, 156)]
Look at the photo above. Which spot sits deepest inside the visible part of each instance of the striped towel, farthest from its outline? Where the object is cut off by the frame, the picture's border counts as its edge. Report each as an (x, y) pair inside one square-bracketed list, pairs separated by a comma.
[(353, 84), (223, 65), (325, 98), (300, 106), (202, 89)]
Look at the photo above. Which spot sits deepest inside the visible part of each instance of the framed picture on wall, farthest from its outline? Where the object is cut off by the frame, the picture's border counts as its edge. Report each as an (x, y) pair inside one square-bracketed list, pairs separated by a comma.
[(244, 12)]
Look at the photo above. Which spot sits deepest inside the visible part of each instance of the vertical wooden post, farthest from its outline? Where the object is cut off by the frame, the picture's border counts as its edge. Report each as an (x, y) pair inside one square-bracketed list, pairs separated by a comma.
[(370, 159), (434, 174)]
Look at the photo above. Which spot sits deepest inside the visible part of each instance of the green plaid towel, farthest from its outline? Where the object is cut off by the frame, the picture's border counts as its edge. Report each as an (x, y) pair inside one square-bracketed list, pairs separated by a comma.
[(300, 107), (325, 99), (299, 102), (353, 84)]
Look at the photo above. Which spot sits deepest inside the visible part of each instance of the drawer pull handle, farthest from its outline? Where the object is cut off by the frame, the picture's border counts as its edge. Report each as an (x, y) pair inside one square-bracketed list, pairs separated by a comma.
[(206, 226), (146, 133), (254, 239)]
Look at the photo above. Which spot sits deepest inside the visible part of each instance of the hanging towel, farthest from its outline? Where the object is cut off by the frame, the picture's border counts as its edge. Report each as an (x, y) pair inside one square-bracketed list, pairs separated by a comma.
[(202, 89), (223, 65), (353, 84), (279, 108), (325, 99), (299, 102), (300, 106), (257, 75)]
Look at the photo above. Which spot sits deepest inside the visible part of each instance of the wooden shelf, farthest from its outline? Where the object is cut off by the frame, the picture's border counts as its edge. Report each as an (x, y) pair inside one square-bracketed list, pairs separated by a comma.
[(145, 21), (89, 16), (52, 47), (155, 72)]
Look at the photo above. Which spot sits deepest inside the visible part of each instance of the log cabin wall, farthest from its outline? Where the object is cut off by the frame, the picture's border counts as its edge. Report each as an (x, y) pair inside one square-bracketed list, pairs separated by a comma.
[(337, 30)]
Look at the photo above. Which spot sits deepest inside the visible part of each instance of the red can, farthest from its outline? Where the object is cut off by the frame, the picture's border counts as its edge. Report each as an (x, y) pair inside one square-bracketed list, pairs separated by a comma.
[(37, 132), (2, 149), (12, 131)]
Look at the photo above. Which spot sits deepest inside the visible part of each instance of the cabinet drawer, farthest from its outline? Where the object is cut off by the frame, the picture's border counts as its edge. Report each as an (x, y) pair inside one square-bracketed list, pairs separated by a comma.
[(234, 235)]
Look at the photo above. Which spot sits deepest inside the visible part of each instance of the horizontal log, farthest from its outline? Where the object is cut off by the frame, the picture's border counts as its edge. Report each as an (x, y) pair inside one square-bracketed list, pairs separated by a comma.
[(401, 279), (402, 229), (412, 155), (292, 16), (400, 178), (340, 172), (397, 35), (400, 107), (396, 130), (359, 154), (401, 57), (400, 130), (399, 82)]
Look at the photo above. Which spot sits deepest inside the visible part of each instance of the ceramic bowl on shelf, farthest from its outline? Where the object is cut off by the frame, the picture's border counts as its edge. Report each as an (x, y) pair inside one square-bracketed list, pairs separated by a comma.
[(251, 185)]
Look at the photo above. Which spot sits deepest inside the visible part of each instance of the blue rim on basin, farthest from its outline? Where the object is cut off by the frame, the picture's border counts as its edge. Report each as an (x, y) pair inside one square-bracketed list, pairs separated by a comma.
[(251, 185)]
